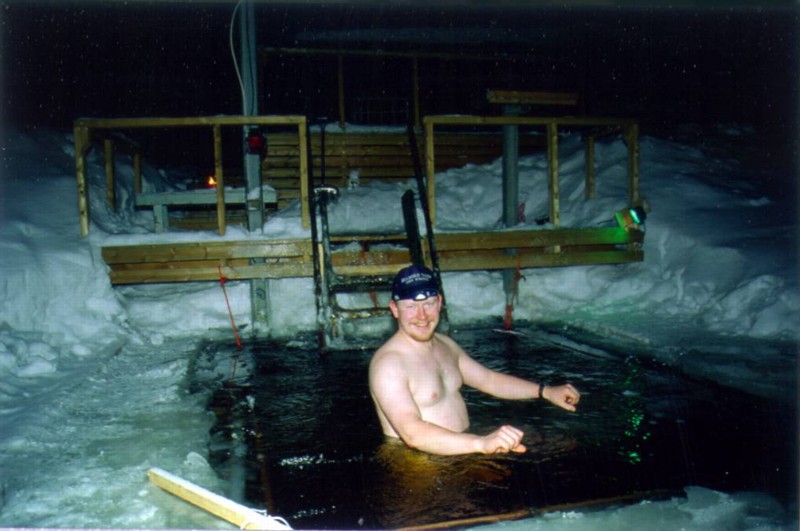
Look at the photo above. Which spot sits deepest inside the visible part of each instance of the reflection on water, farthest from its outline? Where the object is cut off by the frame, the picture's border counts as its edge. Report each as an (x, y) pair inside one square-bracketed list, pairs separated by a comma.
[(303, 433)]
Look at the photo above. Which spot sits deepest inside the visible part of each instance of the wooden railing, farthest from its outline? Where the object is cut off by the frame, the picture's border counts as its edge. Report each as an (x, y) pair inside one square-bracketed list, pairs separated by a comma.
[(552, 125), (84, 127)]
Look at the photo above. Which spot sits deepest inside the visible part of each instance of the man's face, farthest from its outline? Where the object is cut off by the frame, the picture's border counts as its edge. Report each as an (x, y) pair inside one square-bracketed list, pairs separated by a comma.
[(417, 319)]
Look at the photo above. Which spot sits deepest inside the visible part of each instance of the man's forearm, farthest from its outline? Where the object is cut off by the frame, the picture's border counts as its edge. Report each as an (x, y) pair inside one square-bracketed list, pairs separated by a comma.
[(434, 439)]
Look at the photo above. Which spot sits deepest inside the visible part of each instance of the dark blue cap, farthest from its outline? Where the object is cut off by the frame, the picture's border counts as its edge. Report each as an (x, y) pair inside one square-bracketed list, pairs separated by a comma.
[(415, 283)]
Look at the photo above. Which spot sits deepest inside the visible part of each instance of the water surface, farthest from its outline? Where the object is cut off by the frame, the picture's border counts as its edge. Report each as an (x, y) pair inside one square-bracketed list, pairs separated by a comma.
[(301, 432)]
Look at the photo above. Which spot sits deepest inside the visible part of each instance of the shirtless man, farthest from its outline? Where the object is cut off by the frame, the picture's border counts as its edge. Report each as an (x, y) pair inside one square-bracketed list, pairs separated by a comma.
[(416, 376)]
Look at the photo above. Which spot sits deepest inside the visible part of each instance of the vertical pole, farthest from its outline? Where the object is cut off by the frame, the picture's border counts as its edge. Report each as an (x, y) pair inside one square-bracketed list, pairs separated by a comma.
[(590, 176), (510, 168), (108, 151), (81, 139), (254, 194), (552, 171), (632, 139), (219, 178), (430, 170), (302, 143), (340, 79), (137, 171), (510, 202), (415, 90)]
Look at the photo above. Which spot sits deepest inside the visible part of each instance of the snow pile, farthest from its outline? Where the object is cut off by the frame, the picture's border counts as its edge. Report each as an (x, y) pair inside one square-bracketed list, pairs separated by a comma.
[(91, 377)]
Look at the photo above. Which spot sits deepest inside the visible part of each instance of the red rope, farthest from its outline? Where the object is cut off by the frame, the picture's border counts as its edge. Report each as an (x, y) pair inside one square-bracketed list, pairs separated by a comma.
[(222, 281), (507, 320)]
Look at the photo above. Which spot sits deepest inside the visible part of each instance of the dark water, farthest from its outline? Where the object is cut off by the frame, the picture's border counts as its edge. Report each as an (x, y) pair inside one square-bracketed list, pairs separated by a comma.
[(313, 452)]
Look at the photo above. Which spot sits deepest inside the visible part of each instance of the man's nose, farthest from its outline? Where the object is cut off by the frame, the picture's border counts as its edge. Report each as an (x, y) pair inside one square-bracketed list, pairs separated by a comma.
[(421, 313)]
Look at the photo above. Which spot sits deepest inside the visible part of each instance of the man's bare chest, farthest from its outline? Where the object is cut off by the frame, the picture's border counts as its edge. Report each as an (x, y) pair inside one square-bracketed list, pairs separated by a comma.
[(435, 381)]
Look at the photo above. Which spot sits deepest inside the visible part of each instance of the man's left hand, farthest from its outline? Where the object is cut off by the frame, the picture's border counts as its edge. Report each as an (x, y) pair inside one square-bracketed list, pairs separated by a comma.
[(564, 396)]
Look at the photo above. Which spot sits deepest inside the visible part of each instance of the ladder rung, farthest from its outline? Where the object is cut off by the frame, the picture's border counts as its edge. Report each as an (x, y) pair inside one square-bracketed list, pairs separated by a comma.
[(359, 284), (360, 313)]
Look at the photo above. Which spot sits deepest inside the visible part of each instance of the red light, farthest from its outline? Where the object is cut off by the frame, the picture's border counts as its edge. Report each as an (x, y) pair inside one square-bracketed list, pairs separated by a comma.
[(256, 144)]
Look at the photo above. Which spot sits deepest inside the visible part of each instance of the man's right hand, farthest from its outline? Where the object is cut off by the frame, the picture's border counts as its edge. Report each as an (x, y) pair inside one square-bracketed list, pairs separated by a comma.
[(503, 440)]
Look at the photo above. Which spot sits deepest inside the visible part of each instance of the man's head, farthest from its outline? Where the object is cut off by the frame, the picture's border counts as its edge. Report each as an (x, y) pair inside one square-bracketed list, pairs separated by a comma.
[(416, 302), (414, 283)]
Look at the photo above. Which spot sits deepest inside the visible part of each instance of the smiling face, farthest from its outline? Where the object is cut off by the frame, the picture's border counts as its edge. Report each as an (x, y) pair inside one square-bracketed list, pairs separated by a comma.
[(417, 319)]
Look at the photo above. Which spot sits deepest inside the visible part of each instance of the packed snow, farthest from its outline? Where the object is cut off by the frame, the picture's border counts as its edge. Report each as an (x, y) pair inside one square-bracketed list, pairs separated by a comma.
[(93, 387)]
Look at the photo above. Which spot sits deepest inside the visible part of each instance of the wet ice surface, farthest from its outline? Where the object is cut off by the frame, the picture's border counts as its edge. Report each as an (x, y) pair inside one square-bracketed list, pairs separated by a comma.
[(313, 452)]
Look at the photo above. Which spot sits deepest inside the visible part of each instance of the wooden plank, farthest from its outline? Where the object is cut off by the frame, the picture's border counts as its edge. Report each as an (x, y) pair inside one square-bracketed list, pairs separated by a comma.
[(575, 121), (197, 274), (536, 238), (498, 261), (200, 261), (82, 144), (553, 186), (155, 122), (522, 97), (205, 196), (228, 510), (207, 251)]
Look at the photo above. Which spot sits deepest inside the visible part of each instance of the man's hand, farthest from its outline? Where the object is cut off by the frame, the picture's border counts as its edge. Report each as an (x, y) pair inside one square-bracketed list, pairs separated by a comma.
[(564, 396), (503, 440)]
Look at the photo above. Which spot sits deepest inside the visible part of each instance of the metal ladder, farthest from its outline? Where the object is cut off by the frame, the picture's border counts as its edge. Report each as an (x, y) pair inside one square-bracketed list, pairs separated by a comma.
[(329, 285)]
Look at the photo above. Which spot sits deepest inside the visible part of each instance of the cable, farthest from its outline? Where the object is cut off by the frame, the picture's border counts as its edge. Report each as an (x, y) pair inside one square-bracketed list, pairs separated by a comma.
[(233, 51)]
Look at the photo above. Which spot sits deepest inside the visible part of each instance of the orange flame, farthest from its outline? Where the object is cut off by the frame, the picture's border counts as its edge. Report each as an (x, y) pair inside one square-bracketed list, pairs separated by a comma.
[(211, 182)]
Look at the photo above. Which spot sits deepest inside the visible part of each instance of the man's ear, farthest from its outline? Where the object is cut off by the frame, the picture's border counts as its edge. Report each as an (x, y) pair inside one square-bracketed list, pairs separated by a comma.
[(393, 308)]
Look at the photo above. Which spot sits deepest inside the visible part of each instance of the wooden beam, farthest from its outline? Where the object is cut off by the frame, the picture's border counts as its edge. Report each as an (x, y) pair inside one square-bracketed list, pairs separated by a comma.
[(520, 97), (552, 173), (415, 91), (228, 510), (219, 177), (560, 121), (305, 212), (82, 143), (632, 139), (192, 121), (242, 260), (108, 155), (590, 171), (521, 57), (430, 171), (340, 85)]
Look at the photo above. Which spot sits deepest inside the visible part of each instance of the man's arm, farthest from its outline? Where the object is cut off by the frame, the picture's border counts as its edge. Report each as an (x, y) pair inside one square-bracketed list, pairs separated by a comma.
[(510, 387), (389, 388)]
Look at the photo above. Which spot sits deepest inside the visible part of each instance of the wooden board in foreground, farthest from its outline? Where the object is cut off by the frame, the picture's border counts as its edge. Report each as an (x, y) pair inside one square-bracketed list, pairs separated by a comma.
[(243, 517)]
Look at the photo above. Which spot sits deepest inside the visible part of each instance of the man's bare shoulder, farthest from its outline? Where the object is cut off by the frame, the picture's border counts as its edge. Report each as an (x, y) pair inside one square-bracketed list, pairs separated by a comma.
[(390, 354), (449, 345)]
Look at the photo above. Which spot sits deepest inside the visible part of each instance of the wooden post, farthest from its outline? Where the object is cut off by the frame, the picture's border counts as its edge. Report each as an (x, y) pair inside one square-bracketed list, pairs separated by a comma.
[(340, 76), (108, 152), (415, 90), (302, 140), (81, 139), (590, 176), (552, 171), (430, 171), (632, 139), (137, 172), (219, 178)]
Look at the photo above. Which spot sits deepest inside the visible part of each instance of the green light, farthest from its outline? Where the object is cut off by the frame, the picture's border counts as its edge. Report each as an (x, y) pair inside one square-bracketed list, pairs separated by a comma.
[(635, 216)]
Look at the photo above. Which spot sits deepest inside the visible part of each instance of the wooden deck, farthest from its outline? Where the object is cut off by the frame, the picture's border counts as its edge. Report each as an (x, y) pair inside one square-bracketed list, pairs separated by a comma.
[(472, 251)]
